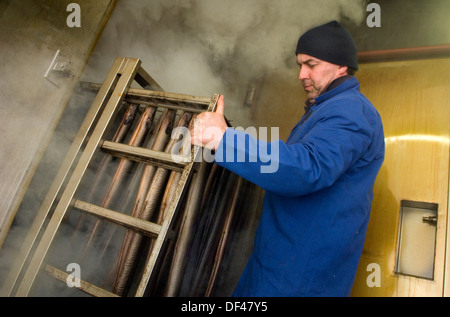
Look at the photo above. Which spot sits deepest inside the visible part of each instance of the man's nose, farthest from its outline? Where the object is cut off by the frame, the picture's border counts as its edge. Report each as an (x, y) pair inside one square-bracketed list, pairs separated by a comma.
[(303, 74)]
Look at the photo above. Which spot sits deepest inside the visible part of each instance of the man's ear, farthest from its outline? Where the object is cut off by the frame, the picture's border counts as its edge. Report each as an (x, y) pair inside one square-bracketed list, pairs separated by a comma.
[(342, 70)]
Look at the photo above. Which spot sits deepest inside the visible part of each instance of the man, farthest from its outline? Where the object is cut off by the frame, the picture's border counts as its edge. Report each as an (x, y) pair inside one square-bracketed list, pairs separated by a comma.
[(317, 204)]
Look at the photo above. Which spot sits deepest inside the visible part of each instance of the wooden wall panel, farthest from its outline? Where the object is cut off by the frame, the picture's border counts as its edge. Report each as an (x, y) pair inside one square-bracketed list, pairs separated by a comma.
[(413, 98)]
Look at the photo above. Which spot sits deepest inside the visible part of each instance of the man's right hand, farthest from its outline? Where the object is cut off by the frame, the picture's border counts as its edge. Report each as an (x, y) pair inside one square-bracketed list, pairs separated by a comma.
[(209, 127)]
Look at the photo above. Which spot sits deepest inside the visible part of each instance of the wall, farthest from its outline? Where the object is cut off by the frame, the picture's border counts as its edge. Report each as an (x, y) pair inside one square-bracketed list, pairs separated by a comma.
[(405, 23), (30, 105), (413, 98)]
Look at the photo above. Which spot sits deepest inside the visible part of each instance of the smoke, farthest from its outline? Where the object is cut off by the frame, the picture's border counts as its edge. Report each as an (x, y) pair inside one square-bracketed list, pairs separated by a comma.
[(202, 47)]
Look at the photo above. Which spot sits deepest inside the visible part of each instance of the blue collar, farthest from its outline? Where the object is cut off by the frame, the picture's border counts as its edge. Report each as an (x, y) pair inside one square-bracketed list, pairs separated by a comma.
[(350, 83), (335, 88)]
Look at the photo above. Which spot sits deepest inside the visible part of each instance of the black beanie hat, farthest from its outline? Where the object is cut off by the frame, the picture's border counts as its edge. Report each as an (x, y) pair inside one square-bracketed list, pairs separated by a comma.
[(330, 42)]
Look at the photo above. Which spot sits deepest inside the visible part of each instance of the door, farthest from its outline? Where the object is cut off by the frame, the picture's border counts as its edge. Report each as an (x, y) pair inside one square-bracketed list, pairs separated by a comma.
[(413, 98)]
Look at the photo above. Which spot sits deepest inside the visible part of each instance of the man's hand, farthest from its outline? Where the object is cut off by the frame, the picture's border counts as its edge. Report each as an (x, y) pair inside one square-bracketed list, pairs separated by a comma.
[(209, 127)]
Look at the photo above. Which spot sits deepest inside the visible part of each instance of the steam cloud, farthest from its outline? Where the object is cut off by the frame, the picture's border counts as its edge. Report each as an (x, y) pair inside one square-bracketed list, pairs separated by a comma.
[(202, 47)]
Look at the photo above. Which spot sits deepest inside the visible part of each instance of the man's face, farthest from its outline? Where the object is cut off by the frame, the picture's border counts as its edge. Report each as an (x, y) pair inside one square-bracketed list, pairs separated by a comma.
[(316, 74)]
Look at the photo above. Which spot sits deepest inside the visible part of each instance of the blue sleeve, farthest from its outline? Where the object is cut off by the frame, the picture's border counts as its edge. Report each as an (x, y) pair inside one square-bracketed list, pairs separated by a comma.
[(313, 162)]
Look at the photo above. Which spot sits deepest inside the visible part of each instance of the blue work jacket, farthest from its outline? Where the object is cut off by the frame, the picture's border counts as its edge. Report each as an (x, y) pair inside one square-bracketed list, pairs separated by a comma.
[(318, 196)]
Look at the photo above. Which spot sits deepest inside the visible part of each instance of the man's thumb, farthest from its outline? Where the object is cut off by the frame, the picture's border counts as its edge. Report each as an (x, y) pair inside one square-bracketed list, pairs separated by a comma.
[(220, 105)]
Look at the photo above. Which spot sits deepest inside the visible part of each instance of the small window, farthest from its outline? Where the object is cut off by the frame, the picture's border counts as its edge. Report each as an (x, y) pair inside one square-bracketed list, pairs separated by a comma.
[(416, 245)]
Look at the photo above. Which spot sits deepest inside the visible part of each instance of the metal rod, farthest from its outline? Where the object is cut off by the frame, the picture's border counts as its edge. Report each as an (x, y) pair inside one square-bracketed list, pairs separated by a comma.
[(146, 81), (144, 227), (86, 287), (149, 156), (163, 99), (405, 53)]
